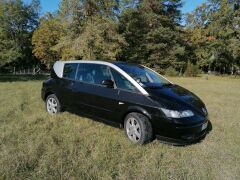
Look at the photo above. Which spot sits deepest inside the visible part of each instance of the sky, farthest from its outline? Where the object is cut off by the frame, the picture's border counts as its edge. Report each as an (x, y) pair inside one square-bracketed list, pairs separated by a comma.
[(190, 5), (52, 5)]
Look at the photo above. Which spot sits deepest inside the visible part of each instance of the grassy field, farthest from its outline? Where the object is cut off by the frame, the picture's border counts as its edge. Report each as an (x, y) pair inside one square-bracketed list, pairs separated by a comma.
[(36, 145)]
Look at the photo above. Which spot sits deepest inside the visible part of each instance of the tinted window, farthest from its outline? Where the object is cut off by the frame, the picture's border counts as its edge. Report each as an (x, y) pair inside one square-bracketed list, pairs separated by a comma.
[(93, 73), (70, 70), (121, 82)]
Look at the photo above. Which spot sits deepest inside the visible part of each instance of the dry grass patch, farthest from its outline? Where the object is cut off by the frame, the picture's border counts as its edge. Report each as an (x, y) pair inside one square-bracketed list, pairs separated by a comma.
[(36, 145)]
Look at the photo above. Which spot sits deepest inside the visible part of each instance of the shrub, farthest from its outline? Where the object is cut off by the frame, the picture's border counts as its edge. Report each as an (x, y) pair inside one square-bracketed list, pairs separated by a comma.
[(191, 70), (171, 72)]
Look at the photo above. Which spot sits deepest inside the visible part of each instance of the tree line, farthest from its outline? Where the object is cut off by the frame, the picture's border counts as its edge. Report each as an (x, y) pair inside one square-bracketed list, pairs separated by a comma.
[(151, 32)]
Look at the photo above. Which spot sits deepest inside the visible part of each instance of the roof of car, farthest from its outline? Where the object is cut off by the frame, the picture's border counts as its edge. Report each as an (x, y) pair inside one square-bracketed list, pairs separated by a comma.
[(108, 61), (117, 63)]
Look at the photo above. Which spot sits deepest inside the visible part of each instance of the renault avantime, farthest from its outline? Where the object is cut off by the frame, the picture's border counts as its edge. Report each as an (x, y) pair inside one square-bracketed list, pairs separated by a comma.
[(131, 96)]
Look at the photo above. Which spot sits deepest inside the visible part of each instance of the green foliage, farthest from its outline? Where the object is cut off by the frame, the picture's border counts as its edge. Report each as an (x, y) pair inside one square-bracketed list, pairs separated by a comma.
[(45, 37), (99, 40), (17, 21), (153, 33), (191, 70), (93, 30), (171, 72), (215, 35), (9, 50)]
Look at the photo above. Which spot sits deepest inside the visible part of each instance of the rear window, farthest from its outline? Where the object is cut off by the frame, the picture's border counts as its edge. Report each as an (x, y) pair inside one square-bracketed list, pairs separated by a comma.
[(69, 71)]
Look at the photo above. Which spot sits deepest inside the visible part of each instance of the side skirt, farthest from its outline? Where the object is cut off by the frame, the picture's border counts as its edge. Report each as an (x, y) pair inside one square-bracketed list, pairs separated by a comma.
[(95, 118)]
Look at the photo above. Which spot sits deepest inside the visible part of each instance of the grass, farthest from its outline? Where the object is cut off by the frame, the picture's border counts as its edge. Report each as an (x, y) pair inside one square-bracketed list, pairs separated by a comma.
[(35, 145)]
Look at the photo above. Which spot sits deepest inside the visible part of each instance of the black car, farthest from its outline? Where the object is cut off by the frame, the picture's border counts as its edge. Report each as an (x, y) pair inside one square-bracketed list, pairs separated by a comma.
[(132, 96)]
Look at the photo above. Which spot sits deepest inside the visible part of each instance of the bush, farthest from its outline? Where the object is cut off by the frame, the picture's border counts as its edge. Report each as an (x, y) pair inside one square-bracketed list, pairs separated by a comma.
[(191, 70), (171, 72)]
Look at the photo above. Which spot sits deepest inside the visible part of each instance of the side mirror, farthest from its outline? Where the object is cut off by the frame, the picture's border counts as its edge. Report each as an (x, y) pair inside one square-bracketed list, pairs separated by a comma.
[(108, 83)]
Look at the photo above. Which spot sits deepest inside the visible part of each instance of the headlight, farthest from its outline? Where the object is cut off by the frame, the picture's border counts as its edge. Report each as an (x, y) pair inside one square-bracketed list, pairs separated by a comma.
[(177, 114)]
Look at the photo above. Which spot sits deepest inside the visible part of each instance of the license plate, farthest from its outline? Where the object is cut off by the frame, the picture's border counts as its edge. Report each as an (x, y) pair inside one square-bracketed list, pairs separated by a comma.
[(204, 126)]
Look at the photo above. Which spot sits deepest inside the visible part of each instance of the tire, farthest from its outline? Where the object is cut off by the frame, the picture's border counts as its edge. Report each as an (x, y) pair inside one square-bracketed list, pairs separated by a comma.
[(52, 104), (141, 132)]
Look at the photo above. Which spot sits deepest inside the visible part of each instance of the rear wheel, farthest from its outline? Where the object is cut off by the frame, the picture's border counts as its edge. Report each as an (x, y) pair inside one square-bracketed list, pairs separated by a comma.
[(138, 128), (53, 105)]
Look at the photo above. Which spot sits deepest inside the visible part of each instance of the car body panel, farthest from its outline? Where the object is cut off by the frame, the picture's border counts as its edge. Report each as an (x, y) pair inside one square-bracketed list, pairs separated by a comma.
[(113, 104)]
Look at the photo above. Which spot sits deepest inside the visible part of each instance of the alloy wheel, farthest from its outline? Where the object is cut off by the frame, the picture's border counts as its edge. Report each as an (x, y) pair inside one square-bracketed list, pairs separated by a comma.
[(133, 129), (52, 105)]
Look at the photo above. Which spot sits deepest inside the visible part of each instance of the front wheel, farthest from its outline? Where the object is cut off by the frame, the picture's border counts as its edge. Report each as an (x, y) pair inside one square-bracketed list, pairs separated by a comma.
[(53, 105), (138, 128)]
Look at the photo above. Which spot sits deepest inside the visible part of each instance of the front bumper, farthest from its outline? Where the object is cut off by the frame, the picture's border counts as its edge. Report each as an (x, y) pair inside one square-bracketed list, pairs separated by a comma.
[(181, 135)]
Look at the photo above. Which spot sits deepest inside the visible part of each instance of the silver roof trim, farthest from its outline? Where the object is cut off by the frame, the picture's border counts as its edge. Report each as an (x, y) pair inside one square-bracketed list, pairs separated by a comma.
[(59, 65)]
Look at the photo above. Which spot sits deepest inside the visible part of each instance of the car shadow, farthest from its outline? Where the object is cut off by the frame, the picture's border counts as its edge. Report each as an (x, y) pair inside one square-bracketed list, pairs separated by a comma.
[(22, 78)]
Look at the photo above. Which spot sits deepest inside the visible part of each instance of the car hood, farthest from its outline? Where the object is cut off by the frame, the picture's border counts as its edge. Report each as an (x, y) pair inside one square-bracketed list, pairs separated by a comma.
[(175, 97)]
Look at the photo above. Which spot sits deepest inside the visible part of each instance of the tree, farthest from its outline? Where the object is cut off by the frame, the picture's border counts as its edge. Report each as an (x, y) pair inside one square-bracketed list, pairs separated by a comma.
[(17, 22), (215, 35), (153, 33), (99, 40), (93, 27), (133, 28), (9, 51), (45, 37)]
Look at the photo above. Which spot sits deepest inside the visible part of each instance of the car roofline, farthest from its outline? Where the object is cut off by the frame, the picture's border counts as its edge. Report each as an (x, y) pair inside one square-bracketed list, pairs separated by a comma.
[(59, 65)]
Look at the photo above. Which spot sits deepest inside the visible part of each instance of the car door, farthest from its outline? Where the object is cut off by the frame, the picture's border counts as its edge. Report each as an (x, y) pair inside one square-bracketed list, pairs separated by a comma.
[(116, 101), (66, 83), (90, 96), (128, 95), (103, 102)]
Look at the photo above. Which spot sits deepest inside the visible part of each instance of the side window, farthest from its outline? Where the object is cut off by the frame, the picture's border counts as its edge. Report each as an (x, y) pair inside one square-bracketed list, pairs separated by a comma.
[(93, 73), (80, 72), (69, 70), (122, 82)]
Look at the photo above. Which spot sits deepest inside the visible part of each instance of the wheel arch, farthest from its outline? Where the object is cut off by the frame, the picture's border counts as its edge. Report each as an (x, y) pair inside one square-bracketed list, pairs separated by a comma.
[(47, 94), (136, 109)]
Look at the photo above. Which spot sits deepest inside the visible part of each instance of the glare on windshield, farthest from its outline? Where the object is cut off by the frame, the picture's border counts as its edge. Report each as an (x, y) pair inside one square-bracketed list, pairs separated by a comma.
[(143, 75)]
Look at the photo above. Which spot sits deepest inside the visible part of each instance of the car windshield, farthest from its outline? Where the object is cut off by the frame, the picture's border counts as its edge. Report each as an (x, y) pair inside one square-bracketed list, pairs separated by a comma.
[(143, 75)]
